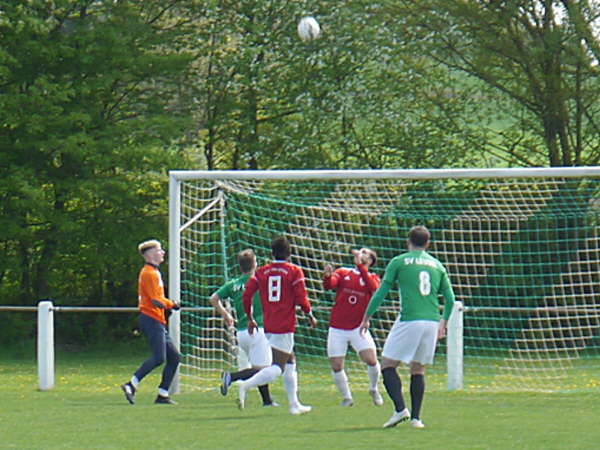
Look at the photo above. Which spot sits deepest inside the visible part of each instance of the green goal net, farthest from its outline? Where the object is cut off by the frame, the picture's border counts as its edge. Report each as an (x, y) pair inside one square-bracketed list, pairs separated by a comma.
[(521, 248)]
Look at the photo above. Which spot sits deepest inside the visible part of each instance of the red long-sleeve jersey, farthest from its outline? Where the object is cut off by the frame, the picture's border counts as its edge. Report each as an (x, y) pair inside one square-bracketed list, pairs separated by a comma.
[(354, 288), (281, 287)]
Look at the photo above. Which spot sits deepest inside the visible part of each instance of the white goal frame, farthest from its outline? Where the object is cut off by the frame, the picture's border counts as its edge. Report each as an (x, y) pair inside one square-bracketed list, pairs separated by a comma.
[(455, 329)]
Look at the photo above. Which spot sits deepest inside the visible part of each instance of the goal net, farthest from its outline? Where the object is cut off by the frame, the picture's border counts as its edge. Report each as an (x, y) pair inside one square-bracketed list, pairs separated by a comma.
[(521, 247)]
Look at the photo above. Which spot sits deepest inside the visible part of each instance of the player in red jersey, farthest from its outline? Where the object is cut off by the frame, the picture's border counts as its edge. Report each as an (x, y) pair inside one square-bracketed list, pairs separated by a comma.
[(281, 287), (354, 287)]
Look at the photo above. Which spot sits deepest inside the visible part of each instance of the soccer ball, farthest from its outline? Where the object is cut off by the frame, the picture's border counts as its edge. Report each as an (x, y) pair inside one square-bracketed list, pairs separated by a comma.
[(308, 29)]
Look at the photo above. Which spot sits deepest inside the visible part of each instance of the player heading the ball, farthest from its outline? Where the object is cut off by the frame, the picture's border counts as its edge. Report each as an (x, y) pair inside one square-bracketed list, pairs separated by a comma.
[(354, 287)]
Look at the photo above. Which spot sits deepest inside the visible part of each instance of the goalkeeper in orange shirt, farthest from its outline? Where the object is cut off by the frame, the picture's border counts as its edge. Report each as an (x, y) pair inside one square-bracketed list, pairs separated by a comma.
[(152, 321)]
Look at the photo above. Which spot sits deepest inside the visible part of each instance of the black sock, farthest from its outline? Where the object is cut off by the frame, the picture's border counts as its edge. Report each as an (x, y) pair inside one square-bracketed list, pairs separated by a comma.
[(243, 374), (393, 386), (417, 391), (264, 393)]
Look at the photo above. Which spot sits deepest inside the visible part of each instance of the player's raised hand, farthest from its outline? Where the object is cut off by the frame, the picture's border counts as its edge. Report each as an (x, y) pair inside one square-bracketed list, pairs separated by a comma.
[(328, 270), (360, 257), (356, 255)]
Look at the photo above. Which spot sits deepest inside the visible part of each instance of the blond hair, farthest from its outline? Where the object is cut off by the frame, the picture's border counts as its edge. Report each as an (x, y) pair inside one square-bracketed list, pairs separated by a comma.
[(147, 245)]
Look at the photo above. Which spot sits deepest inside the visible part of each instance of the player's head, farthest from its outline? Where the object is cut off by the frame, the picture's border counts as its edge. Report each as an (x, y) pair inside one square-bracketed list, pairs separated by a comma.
[(365, 253), (247, 260), (152, 251), (281, 248), (418, 237)]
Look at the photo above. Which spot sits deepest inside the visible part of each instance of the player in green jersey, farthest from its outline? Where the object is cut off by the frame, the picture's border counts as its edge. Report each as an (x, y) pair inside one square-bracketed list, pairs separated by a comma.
[(255, 351), (412, 340)]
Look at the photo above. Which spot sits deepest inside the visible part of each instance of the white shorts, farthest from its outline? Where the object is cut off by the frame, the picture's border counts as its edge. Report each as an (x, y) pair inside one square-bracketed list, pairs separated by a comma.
[(338, 340), (414, 340), (283, 342), (256, 347)]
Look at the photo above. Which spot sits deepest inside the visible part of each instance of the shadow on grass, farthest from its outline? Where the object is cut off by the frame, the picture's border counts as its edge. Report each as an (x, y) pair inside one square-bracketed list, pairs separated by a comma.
[(346, 430)]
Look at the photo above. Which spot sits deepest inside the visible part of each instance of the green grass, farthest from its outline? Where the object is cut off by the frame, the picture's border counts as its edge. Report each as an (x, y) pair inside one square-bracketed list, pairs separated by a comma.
[(86, 409)]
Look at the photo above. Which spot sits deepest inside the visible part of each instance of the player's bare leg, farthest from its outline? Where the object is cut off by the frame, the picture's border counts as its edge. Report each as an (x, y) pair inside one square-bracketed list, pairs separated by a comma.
[(417, 392), (341, 379), (393, 386), (369, 357)]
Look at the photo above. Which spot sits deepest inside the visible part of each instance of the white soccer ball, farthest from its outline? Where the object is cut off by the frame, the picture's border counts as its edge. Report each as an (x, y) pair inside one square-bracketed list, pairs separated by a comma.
[(308, 29)]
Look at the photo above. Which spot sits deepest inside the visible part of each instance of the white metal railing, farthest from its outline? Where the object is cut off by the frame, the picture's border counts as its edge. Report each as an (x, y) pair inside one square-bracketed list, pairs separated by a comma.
[(45, 332), (45, 338)]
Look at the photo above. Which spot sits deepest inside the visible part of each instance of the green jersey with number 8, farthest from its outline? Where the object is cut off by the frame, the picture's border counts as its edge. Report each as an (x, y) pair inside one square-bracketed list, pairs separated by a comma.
[(421, 278)]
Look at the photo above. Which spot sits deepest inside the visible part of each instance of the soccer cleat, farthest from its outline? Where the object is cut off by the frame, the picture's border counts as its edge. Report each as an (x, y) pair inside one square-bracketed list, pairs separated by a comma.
[(164, 400), (376, 396), (347, 402), (416, 423), (241, 396), (273, 404), (396, 418), (298, 409), (129, 391), (225, 382)]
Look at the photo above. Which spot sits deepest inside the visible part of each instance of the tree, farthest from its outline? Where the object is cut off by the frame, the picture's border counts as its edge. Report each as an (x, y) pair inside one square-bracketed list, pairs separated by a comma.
[(539, 57), (267, 100), (88, 111)]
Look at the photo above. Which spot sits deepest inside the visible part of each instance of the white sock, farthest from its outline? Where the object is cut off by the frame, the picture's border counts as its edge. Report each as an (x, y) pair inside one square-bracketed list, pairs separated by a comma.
[(373, 372), (134, 381), (290, 383), (264, 376), (163, 392), (341, 381)]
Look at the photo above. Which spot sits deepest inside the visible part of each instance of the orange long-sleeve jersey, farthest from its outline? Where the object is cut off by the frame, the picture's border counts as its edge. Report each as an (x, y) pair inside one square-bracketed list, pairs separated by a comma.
[(151, 287)]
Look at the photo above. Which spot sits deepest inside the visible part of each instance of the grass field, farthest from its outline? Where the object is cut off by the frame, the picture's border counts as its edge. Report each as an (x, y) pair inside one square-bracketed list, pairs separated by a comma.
[(87, 410)]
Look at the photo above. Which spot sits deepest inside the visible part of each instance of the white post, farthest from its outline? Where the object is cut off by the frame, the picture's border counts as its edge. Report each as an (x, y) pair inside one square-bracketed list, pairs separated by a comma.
[(454, 354), (174, 269), (45, 350)]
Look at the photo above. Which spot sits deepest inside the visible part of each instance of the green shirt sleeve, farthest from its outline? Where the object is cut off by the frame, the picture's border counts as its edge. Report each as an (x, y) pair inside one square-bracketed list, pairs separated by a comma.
[(448, 294), (389, 278), (224, 291)]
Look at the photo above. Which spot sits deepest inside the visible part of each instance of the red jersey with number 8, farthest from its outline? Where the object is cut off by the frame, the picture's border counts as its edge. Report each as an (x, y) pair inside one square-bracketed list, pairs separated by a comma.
[(354, 288), (281, 287)]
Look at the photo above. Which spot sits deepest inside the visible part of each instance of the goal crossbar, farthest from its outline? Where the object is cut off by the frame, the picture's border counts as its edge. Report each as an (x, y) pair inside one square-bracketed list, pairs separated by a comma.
[(417, 174)]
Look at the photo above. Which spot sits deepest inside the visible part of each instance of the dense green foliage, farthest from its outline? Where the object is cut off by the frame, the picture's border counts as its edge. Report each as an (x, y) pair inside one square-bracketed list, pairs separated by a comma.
[(99, 99), (87, 118)]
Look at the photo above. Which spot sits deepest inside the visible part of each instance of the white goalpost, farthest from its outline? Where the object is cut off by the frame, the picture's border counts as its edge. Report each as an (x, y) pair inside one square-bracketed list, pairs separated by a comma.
[(521, 246)]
